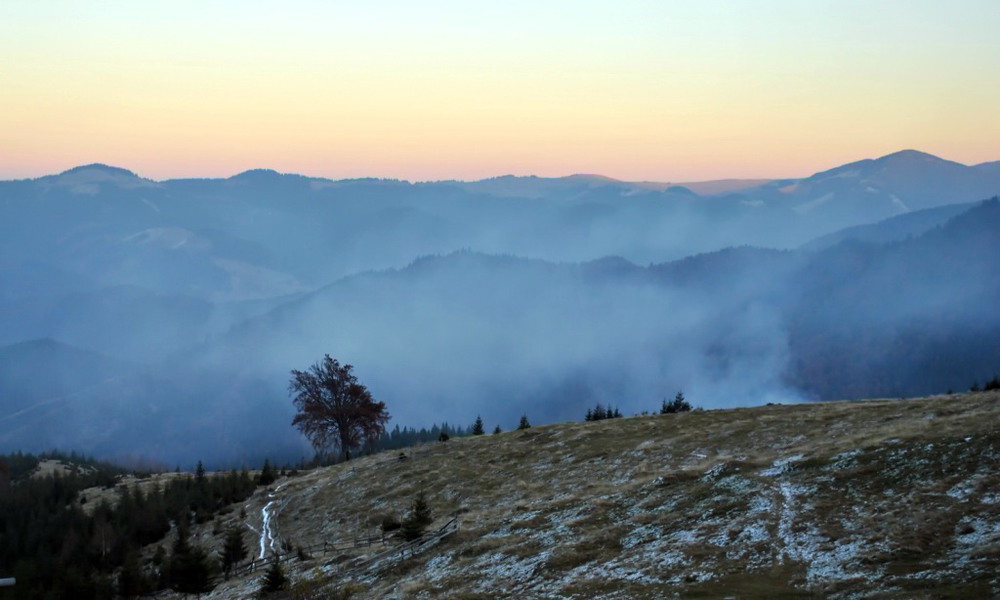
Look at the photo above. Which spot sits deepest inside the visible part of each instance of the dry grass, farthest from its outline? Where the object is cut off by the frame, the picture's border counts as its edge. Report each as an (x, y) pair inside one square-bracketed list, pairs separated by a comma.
[(889, 498)]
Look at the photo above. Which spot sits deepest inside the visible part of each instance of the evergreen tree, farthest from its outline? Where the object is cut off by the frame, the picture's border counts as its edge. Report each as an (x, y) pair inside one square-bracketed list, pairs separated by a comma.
[(497, 430), (477, 427), (132, 582), (678, 404), (233, 550), (267, 475), (274, 580), (418, 519), (599, 413), (524, 424), (189, 571)]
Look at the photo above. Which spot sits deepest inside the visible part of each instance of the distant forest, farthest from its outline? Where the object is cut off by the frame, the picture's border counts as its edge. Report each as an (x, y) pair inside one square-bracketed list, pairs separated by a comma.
[(58, 544)]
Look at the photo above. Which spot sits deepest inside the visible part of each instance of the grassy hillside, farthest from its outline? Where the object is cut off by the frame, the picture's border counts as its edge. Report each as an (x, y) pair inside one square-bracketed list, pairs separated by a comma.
[(881, 498)]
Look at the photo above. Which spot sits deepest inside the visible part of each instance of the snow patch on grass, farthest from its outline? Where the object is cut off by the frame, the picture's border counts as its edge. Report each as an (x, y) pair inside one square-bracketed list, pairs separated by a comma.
[(782, 465)]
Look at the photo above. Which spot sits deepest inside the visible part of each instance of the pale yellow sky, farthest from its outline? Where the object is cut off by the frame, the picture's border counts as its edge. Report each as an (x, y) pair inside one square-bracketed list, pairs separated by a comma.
[(637, 90)]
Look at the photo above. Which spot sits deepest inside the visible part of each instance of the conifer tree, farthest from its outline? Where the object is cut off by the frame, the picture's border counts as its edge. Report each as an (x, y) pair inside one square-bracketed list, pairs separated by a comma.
[(132, 582), (267, 476), (189, 572), (678, 404), (497, 430), (418, 519), (233, 550), (477, 427), (524, 424), (274, 580)]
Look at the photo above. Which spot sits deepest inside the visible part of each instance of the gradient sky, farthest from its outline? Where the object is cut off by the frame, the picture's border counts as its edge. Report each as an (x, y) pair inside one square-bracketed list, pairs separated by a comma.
[(639, 90)]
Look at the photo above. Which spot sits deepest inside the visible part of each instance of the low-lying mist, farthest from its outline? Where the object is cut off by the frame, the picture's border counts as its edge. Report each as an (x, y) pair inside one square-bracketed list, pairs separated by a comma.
[(161, 320)]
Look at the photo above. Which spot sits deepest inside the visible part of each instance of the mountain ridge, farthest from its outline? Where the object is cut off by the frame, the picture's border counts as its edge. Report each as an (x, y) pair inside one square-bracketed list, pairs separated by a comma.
[(571, 291), (905, 156)]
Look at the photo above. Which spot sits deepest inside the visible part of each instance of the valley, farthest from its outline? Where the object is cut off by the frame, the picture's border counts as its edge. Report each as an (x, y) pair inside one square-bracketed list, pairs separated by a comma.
[(159, 321)]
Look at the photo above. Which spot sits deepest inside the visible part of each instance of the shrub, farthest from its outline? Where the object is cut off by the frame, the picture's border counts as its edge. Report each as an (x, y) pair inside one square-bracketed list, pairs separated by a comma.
[(390, 523)]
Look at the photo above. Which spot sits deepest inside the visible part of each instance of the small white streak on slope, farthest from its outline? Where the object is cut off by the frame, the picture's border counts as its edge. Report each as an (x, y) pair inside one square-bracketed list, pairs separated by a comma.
[(267, 536), (813, 204)]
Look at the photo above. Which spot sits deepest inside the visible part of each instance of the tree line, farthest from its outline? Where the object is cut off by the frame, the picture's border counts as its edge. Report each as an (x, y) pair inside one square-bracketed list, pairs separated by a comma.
[(58, 543)]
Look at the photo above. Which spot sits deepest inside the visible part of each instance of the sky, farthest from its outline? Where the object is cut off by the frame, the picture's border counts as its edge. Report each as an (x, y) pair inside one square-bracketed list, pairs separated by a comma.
[(657, 90)]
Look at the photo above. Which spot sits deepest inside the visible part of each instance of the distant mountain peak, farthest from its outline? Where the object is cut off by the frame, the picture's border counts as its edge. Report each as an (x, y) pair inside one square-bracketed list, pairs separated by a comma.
[(87, 179), (98, 168), (256, 173), (909, 154), (915, 159), (590, 177)]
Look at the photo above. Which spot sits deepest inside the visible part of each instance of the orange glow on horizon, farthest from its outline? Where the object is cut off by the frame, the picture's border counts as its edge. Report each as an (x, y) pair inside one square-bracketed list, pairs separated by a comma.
[(646, 91)]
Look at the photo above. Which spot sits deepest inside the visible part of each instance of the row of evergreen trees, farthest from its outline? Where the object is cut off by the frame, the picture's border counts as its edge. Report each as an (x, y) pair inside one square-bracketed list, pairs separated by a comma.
[(58, 544), (407, 436), (479, 429), (600, 413)]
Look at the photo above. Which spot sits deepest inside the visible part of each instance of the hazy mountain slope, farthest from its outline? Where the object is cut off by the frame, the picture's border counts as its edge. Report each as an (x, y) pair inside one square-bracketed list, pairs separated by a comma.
[(500, 335), (893, 229), (904, 318), (55, 396), (449, 337), (289, 232), (107, 261), (885, 498), (874, 189), (468, 333)]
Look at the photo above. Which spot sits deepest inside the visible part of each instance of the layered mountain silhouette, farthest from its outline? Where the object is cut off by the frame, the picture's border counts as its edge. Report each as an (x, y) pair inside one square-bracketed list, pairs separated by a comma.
[(161, 319)]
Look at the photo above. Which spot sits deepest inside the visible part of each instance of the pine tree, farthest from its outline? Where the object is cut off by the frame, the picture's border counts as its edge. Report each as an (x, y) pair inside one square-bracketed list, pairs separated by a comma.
[(132, 582), (267, 476), (418, 519), (189, 572), (233, 550), (497, 430), (678, 404), (524, 424), (477, 427), (274, 580)]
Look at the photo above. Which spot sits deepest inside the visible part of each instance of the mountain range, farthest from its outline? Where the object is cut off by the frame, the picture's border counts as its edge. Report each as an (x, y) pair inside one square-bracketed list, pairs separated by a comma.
[(161, 319)]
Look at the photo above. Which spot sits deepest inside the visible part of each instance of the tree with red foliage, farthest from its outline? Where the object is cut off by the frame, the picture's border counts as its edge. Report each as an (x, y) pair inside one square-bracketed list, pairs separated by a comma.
[(334, 408)]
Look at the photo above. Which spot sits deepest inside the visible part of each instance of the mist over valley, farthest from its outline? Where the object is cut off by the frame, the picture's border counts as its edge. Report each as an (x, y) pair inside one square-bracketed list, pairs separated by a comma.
[(160, 320)]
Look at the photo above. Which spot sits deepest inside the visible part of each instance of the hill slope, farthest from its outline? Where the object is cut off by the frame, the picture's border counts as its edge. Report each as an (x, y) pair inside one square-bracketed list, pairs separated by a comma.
[(885, 498)]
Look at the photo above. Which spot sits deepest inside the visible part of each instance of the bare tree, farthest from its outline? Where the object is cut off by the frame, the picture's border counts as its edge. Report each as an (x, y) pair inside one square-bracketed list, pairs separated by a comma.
[(334, 408)]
